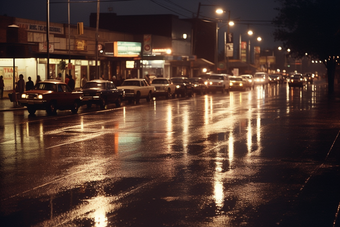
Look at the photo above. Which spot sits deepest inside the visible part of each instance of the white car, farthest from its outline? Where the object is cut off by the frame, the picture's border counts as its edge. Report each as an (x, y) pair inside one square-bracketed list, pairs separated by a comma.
[(135, 89), (218, 82), (249, 80), (261, 78), (163, 87)]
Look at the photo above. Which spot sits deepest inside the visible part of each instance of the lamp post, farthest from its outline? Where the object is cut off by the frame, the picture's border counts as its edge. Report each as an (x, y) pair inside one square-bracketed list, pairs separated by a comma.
[(217, 11), (227, 39), (48, 37)]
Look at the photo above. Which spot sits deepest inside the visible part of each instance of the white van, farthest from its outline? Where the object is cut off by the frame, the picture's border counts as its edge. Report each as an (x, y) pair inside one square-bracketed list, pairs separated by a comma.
[(261, 78), (218, 82)]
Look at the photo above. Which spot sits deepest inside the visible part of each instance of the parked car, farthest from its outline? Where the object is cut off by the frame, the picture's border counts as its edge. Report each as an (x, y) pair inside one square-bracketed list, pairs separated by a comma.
[(51, 95), (135, 89), (102, 92), (199, 86), (218, 82), (183, 86), (296, 80), (260, 78), (237, 83), (163, 87), (248, 80)]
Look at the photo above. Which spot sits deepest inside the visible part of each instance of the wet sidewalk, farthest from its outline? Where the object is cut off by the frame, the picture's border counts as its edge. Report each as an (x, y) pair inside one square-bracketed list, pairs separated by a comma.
[(7, 105)]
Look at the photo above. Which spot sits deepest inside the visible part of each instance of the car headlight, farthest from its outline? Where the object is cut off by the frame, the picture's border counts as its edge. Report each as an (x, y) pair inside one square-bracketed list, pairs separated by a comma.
[(40, 96), (206, 82), (178, 86), (210, 83), (23, 96), (231, 84), (241, 84)]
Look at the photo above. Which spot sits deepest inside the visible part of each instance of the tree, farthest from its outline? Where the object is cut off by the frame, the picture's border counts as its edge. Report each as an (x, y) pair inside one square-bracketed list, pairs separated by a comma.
[(313, 27)]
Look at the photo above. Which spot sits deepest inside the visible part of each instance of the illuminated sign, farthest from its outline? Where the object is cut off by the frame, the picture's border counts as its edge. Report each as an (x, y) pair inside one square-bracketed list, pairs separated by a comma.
[(127, 49), (162, 51), (130, 64)]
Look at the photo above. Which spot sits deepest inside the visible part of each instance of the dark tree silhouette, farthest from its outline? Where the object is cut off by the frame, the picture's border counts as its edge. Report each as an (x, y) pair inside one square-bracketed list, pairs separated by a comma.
[(313, 27)]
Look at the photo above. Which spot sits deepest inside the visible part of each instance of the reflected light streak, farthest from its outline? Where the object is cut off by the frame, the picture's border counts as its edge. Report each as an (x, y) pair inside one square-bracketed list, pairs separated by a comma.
[(219, 194), (100, 219), (231, 146), (249, 135), (169, 128), (258, 130), (27, 129), (82, 123), (185, 124), (206, 110), (124, 114), (41, 132)]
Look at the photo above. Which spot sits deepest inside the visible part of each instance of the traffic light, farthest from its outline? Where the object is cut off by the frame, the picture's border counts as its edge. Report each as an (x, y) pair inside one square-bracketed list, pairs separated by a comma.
[(80, 28)]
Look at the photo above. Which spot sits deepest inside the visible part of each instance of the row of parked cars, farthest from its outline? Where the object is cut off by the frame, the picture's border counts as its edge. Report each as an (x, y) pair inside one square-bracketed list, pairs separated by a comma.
[(51, 95)]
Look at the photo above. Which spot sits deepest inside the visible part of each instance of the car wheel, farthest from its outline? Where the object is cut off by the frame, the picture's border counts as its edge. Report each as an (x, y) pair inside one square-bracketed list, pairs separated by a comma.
[(190, 94), (103, 104), (168, 94), (75, 107), (137, 99), (149, 97), (88, 105), (184, 93), (118, 102), (31, 109), (51, 108)]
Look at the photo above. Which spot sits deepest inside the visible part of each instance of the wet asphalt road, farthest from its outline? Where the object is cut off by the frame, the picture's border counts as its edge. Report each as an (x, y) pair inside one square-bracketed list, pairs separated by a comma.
[(264, 157)]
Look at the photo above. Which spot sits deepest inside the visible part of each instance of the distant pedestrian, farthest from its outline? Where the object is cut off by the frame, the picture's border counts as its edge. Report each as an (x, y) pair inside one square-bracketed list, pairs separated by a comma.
[(67, 78), (71, 82), (2, 85), (29, 84), (37, 81), (83, 81), (20, 84)]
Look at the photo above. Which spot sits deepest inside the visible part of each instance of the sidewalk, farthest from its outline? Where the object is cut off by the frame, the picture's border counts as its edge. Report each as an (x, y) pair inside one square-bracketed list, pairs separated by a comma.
[(7, 105)]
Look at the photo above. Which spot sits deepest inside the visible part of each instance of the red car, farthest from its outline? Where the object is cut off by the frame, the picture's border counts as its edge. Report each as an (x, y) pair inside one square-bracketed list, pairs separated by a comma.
[(51, 95)]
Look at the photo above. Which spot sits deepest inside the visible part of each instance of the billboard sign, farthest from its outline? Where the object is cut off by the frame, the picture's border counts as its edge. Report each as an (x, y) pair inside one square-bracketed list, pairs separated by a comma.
[(126, 49)]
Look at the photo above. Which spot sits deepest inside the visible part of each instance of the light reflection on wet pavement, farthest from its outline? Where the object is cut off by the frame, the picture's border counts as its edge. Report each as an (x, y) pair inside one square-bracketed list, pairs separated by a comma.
[(265, 157)]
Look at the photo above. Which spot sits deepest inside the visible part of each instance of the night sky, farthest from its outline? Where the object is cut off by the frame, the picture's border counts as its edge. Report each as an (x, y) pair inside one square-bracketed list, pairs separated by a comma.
[(248, 13)]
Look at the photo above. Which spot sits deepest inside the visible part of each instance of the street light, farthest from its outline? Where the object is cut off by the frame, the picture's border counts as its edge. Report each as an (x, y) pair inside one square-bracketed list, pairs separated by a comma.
[(217, 11)]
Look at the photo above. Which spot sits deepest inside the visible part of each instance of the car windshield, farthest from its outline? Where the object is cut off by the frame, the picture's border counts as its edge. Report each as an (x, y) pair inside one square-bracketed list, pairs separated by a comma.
[(131, 83), (216, 77), (94, 85), (194, 79), (274, 76), (160, 82), (259, 75), (296, 76), (178, 80), (236, 79), (47, 86)]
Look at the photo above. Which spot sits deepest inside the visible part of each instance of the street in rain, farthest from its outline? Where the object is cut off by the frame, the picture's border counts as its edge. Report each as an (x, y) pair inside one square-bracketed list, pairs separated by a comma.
[(268, 156)]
